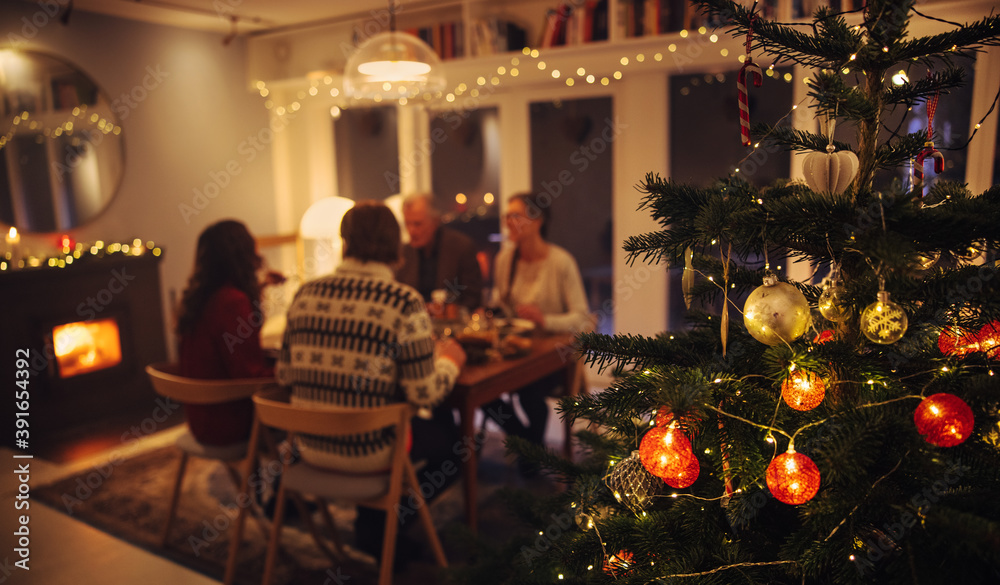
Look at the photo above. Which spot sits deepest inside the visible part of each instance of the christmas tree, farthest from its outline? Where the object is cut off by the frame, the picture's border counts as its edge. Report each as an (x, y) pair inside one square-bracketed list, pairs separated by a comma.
[(835, 430)]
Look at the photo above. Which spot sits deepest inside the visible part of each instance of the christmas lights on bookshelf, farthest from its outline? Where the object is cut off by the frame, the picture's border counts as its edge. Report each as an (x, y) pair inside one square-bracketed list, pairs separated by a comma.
[(528, 57)]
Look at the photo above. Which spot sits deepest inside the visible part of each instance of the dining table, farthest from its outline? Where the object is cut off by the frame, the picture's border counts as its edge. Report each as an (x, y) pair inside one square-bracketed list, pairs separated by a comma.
[(480, 383)]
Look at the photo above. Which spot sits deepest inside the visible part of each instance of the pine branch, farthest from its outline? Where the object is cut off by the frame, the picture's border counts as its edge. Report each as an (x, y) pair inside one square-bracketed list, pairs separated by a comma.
[(914, 91), (898, 152), (816, 51), (963, 41), (834, 96), (799, 140)]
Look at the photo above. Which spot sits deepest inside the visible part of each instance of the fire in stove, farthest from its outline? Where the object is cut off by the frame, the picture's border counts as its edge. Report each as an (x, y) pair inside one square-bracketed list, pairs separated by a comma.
[(86, 346)]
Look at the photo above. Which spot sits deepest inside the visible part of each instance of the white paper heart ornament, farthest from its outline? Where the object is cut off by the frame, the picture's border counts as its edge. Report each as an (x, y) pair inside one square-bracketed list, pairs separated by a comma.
[(830, 172)]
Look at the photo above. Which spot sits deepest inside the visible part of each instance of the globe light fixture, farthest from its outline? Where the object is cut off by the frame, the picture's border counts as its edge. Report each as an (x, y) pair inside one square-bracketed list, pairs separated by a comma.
[(392, 65)]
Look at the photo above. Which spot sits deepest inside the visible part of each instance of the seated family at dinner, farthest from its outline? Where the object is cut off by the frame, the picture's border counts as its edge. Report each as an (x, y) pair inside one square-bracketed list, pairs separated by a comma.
[(362, 336)]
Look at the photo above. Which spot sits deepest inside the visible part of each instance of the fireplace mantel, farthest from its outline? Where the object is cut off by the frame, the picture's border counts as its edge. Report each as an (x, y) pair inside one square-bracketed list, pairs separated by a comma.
[(121, 287)]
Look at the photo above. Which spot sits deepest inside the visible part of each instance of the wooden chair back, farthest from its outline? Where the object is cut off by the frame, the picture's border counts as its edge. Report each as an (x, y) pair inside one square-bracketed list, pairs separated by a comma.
[(275, 410), (167, 382)]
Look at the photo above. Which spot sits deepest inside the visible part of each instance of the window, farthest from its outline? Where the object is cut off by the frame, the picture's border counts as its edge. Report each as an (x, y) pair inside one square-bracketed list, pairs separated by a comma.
[(571, 161), (367, 153)]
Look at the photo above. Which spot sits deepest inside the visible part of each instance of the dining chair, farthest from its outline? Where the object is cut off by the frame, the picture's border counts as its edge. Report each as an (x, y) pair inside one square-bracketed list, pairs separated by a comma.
[(383, 491), (167, 383)]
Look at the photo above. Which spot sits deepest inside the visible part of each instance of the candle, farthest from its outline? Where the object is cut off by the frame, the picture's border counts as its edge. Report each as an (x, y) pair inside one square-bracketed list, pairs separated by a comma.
[(13, 239)]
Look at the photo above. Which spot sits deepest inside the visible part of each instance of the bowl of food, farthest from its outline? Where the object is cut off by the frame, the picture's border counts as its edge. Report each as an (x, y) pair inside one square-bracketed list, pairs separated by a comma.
[(477, 345), (515, 346)]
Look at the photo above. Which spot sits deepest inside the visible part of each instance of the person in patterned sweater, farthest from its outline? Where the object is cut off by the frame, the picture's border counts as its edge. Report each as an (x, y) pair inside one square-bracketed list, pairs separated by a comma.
[(357, 338)]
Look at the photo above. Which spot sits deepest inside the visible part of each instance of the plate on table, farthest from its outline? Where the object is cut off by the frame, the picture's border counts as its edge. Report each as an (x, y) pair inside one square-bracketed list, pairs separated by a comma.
[(523, 327), (515, 346), (477, 345)]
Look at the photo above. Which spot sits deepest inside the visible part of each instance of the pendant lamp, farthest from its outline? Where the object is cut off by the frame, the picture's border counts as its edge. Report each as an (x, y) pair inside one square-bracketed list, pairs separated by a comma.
[(392, 65)]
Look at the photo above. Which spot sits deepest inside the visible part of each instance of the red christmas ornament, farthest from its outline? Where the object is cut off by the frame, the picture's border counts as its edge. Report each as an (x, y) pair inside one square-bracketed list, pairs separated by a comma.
[(944, 420), (686, 477), (803, 390), (663, 416), (956, 341), (618, 564), (793, 478), (825, 336), (988, 339), (665, 452)]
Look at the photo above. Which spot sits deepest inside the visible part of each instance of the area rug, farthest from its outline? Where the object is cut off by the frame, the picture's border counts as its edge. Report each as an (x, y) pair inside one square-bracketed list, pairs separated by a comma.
[(129, 499)]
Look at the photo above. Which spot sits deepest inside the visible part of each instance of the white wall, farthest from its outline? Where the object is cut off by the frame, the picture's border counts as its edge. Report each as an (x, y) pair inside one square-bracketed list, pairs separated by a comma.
[(193, 123)]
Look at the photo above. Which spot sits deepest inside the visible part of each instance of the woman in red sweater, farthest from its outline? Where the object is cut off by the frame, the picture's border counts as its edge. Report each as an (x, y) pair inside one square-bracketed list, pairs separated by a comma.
[(219, 328)]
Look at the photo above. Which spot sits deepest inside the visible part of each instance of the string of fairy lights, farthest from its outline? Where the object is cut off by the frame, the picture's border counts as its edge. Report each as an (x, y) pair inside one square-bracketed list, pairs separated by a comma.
[(622, 561), (80, 118), (492, 80), (70, 253)]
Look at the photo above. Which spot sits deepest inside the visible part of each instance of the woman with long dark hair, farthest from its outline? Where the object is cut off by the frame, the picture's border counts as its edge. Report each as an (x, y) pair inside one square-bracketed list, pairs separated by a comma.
[(219, 328)]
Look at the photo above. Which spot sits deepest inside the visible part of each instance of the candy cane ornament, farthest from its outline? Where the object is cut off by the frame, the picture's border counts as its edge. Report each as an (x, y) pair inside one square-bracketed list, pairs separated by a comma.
[(741, 85), (928, 150), (918, 167)]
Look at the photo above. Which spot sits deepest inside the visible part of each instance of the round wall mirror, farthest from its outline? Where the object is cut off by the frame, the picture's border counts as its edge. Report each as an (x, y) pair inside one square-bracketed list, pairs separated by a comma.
[(61, 149)]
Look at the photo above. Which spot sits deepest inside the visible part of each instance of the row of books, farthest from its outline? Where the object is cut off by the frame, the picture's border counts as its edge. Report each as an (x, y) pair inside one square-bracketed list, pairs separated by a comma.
[(582, 21), (487, 37), (572, 23)]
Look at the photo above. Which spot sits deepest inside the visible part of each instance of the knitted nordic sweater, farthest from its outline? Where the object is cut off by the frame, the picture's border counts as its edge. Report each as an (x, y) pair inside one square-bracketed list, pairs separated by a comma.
[(358, 338)]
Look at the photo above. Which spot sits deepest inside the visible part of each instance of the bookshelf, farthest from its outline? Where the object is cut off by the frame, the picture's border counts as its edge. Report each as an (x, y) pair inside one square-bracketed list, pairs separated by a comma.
[(469, 30)]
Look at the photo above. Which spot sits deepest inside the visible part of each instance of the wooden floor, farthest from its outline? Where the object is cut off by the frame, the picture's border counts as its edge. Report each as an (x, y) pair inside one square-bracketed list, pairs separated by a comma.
[(66, 551)]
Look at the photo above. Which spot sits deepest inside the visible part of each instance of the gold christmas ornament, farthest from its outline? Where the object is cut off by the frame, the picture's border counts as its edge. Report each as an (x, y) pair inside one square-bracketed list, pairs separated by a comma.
[(776, 312), (831, 301), (884, 321)]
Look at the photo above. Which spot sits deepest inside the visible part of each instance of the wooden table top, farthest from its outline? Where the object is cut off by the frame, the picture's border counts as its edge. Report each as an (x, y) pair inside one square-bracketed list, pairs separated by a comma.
[(549, 353)]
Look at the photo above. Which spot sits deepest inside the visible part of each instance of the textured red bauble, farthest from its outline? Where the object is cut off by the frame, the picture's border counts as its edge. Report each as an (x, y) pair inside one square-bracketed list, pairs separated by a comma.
[(803, 390), (664, 416), (956, 341), (793, 478), (944, 420), (988, 339), (686, 477), (665, 452)]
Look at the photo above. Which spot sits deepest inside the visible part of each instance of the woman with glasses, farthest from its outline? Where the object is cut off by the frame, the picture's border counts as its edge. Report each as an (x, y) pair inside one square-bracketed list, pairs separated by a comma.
[(540, 281)]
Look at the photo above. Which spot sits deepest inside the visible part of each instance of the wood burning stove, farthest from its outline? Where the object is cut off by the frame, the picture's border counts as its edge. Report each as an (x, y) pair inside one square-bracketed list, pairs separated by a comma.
[(90, 327)]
